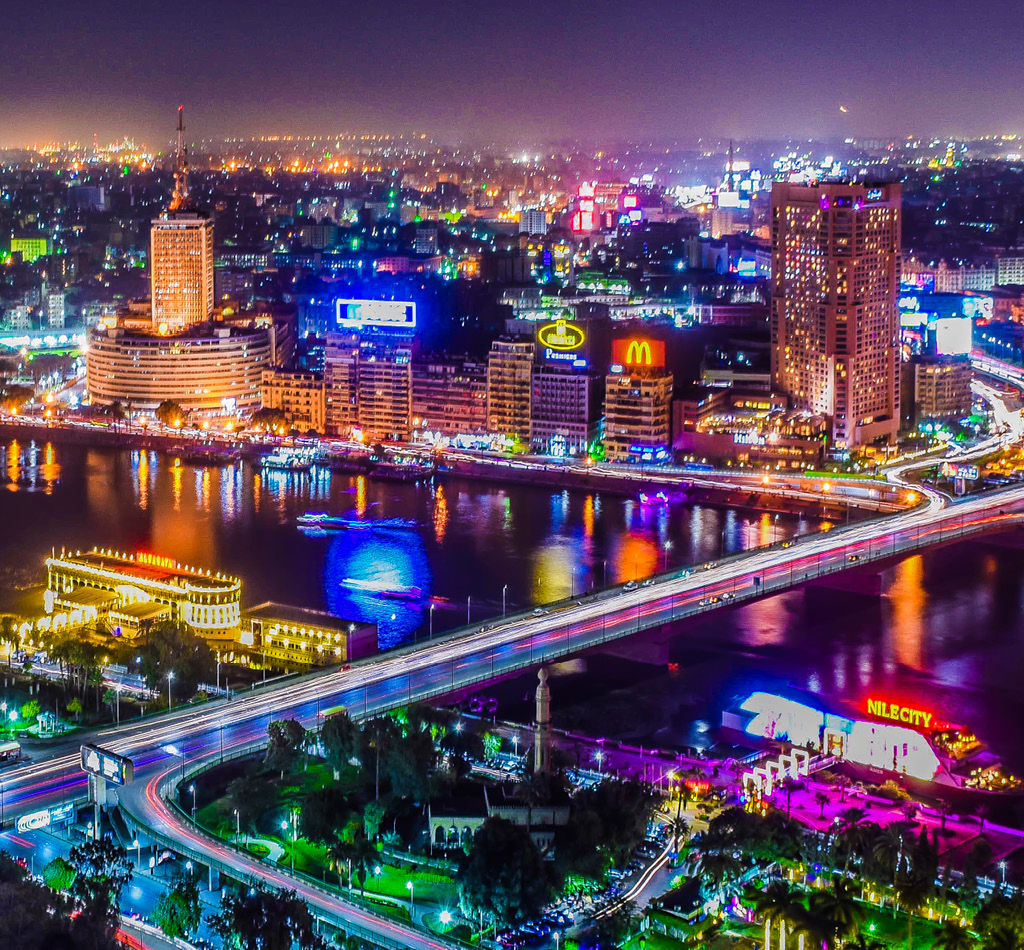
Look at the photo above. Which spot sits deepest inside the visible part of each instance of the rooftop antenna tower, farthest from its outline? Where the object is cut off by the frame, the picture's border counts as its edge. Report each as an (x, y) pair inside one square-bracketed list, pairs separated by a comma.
[(180, 198)]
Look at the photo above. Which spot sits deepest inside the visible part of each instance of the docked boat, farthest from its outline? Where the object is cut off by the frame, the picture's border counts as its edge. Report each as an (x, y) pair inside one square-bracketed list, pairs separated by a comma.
[(325, 522), (383, 589), (287, 462), (883, 740)]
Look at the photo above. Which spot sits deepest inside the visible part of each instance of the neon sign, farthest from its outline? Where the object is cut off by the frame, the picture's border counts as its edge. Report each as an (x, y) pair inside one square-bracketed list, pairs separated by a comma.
[(561, 335), (897, 713), (156, 560), (638, 352)]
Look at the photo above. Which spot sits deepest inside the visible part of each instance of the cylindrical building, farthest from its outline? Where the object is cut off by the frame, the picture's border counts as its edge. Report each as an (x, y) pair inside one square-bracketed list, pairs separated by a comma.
[(203, 369)]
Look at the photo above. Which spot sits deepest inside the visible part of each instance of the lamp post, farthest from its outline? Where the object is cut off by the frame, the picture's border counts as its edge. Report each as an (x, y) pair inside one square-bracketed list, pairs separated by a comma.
[(469, 603), (412, 896), (376, 875), (600, 758), (117, 691), (666, 549), (138, 853), (504, 591), (170, 679), (218, 671), (192, 789), (1002, 871), (238, 826), (430, 631)]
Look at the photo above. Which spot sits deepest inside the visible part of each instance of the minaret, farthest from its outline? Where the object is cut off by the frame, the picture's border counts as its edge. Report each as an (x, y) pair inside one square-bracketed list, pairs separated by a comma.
[(542, 726), (180, 199)]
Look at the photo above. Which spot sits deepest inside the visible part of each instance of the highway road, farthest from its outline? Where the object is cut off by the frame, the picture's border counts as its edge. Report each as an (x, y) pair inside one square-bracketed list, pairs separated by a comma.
[(467, 657)]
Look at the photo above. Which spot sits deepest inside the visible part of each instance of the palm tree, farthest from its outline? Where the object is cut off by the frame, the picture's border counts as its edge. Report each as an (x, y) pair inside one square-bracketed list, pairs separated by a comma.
[(775, 904), (913, 891), (821, 800), (788, 784), (718, 868), (841, 783), (952, 936), (851, 817), (838, 910), (889, 849), (809, 925), (679, 827)]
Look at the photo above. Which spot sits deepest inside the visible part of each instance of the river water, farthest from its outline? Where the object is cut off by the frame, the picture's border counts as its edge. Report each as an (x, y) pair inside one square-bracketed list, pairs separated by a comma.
[(947, 634)]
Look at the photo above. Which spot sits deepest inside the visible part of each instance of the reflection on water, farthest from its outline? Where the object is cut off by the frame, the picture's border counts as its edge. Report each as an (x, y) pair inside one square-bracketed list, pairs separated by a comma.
[(907, 600), (474, 540)]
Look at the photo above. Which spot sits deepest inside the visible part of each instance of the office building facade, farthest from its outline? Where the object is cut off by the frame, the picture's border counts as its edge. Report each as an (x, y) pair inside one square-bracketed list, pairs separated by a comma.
[(449, 398), (510, 390), (834, 323), (300, 395)]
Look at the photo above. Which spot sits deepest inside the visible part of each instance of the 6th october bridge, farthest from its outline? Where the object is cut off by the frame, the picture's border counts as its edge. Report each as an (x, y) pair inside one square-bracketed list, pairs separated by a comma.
[(183, 742)]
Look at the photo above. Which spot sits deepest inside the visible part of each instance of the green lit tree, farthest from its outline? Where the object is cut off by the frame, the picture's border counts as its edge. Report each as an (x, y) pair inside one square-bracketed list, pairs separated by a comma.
[(178, 911)]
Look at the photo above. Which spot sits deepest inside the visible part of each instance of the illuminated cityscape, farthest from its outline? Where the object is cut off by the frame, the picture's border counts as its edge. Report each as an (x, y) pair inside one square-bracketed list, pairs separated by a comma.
[(554, 483)]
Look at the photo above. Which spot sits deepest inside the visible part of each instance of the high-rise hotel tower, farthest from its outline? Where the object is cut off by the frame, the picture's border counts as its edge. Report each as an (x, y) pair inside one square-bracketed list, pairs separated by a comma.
[(835, 325), (181, 256)]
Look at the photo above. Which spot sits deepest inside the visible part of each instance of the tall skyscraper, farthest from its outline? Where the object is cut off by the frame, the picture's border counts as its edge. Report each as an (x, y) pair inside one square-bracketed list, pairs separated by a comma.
[(835, 325), (181, 255)]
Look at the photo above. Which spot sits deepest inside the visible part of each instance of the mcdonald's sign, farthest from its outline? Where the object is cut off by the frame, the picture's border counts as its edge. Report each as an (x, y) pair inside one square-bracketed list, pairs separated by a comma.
[(639, 352)]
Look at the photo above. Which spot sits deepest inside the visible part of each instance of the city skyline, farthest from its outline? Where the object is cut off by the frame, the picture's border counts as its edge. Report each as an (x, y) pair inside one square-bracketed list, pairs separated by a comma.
[(543, 74)]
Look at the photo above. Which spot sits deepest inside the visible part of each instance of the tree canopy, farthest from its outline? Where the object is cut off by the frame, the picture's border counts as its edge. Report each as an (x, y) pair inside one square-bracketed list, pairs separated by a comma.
[(504, 875)]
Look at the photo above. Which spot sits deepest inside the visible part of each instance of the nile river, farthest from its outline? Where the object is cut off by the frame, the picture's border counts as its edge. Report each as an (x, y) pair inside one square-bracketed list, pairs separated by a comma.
[(948, 633)]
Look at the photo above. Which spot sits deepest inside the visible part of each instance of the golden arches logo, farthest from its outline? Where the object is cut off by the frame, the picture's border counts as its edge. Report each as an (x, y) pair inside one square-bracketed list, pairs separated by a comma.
[(639, 353)]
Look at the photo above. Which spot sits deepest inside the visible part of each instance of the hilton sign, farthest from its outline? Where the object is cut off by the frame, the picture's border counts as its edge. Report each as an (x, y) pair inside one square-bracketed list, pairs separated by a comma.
[(561, 335)]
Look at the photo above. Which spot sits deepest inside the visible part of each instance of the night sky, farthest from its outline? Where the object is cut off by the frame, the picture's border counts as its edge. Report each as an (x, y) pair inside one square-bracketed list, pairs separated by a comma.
[(529, 71)]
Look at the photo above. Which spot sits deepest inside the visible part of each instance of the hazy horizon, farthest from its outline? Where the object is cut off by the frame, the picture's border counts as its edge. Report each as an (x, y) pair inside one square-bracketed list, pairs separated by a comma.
[(482, 71)]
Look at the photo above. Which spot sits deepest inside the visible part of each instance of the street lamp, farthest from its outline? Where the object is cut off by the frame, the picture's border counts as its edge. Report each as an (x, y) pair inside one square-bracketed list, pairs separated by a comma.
[(117, 690), (412, 896), (238, 826), (170, 679), (667, 548), (600, 758), (376, 874), (138, 853), (1002, 869), (430, 634), (192, 789), (445, 917), (504, 591), (469, 603)]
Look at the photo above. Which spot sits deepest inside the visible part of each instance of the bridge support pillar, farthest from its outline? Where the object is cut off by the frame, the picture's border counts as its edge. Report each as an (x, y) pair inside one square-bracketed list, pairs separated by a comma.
[(214, 879)]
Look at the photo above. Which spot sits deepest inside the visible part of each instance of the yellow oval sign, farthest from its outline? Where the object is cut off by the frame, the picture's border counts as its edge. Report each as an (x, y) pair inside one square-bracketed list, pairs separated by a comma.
[(561, 336)]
